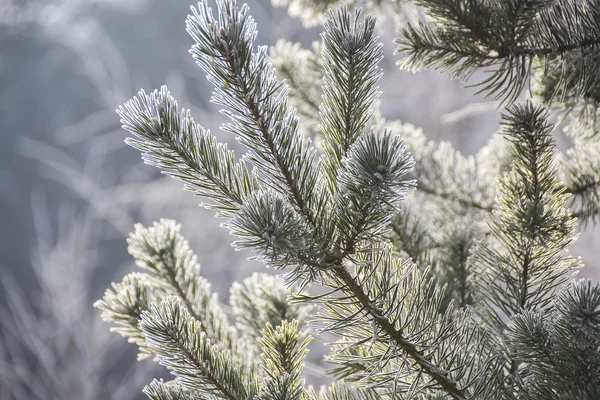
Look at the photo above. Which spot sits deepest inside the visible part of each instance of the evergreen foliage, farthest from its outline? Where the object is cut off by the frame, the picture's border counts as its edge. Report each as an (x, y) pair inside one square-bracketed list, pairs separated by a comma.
[(558, 350), (459, 289), (531, 227)]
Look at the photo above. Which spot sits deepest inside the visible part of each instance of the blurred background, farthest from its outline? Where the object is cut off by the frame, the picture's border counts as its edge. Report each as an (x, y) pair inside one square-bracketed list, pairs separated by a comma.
[(71, 190)]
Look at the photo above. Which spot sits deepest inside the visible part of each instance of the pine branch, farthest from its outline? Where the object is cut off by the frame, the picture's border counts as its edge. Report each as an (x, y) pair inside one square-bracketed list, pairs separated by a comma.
[(165, 254), (508, 36), (391, 307), (391, 312), (283, 353), (351, 54), (123, 307), (440, 376), (531, 225), (170, 139), (255, 101), (181, 346), (559, 350)]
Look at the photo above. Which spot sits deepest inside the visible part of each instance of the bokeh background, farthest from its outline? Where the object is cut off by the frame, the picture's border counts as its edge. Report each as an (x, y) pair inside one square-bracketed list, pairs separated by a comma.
[(71, 190)]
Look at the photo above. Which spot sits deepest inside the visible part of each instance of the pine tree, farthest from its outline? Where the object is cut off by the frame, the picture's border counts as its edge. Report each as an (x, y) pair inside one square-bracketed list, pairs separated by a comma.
[(442, 276)]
